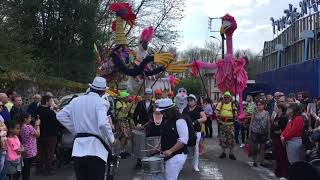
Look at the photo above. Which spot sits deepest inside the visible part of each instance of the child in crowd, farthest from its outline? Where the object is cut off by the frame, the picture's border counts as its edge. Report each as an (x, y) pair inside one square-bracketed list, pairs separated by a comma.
[(3, 147), (29, 136), (13, 163)]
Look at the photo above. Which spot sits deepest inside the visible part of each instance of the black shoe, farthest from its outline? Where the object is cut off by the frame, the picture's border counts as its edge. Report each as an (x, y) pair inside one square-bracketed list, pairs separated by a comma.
[(255, 165), (123, 155), (232, 157), (138, 165), (223, 155), (264, 165)]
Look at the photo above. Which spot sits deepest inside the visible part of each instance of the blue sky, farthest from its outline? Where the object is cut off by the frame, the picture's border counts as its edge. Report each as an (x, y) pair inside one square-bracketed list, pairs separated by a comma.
[(253, 18)]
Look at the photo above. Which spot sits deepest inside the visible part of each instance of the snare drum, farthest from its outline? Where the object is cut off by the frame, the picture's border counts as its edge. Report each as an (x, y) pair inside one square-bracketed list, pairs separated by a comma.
[(153, 165)]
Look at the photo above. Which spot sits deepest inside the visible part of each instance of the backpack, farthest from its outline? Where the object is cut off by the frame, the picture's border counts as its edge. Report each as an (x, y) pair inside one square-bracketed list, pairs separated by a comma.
[(192, 133)]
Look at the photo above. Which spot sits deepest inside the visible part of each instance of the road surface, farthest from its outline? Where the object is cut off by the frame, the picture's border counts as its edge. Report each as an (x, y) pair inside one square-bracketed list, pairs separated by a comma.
[(211, 168)]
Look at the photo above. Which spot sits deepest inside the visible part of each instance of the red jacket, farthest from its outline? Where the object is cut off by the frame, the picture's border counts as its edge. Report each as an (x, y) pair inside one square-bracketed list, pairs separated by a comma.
[(294, 128)]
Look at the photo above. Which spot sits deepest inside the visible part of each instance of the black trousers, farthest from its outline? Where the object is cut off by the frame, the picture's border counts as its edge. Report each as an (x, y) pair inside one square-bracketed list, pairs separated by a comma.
[(27, 163), (208, 125), (89, 168)]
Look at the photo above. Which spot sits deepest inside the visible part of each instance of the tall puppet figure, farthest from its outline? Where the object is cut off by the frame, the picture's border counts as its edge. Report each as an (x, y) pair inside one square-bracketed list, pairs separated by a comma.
[(121, 60), (231, 75)]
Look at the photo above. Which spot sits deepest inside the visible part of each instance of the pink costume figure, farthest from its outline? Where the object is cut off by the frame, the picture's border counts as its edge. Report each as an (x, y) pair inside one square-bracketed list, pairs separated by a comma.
[(231, 75)]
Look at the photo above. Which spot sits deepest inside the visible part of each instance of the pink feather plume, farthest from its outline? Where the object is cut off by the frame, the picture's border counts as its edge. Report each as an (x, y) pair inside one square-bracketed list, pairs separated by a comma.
[(147, 34)]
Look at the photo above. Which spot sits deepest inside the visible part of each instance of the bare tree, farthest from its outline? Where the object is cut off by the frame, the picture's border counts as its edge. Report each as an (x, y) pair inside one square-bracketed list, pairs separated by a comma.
[(208, 53), (163, 15)]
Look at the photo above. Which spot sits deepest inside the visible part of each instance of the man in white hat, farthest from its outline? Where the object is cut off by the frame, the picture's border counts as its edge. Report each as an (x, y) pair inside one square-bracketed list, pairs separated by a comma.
[(86, 117), (174, 138)]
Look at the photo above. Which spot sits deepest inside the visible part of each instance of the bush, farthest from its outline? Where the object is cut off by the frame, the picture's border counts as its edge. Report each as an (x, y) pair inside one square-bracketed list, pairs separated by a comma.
[(192, 85)]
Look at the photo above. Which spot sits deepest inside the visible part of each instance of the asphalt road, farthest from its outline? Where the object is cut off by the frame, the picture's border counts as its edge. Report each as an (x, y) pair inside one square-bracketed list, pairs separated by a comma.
[(211, 168)]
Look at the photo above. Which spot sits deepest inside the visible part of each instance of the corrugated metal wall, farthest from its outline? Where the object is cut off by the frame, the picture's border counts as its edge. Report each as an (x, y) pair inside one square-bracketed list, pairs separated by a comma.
[(293, 78)]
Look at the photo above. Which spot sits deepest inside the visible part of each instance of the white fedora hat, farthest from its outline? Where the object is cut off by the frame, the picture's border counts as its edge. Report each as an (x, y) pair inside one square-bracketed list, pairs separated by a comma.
[(164, 104), (99, 83)]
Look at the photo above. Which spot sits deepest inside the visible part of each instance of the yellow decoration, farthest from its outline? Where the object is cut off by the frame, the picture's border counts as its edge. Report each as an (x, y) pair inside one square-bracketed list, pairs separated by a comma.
[(120, 35), (177, 67), (163, 58)]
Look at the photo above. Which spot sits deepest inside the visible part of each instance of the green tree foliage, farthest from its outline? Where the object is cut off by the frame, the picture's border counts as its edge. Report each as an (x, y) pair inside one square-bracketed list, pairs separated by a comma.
[(192, 85)]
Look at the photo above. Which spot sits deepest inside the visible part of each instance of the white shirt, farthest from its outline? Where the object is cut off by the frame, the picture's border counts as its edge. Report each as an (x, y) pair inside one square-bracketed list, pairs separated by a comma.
[(148, 104), (183, 132), (88, 114)]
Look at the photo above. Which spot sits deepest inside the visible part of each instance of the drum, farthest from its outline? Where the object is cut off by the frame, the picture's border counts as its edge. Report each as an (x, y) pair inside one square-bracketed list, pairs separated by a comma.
[(138, 143), (153, 165)]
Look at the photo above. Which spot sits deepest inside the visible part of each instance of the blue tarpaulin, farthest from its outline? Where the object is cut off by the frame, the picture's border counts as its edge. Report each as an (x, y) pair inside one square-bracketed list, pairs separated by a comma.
[(292, 78)]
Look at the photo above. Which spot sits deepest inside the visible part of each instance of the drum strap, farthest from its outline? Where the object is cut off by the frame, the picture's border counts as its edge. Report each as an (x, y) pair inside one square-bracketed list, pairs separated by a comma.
[(79, 135)]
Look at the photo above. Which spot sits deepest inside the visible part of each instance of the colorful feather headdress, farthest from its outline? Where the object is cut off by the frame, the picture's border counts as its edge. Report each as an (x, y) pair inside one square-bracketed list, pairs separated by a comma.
[(124, 13)]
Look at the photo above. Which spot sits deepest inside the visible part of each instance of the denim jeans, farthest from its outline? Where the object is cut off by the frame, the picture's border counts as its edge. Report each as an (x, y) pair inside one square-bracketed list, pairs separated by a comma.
[(2, 159)]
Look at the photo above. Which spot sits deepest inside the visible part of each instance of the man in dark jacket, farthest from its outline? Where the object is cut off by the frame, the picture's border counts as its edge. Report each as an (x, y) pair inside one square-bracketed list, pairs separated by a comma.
[(32, 108), (17, 109), (48, 136), (144, 110)]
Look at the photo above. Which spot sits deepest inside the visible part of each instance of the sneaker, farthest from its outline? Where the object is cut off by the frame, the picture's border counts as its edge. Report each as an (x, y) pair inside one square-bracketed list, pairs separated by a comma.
[(196, 169), (232, 157), (223, 155), (242, 145)]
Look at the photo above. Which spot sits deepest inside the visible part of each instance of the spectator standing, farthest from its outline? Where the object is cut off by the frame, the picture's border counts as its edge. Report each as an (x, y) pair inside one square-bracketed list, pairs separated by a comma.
[(250, 108), (4, 112), (209, 113), (11, 94), (13, 163), (293, 96), (270, 104), (3, 134), (292, 134), (29, 136), (259, 131), (17, 111), (48, 136), (279, 152), (32, 108)]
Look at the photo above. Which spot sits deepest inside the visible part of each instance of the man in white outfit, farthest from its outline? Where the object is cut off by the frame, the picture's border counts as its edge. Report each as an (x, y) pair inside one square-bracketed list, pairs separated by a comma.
[(174, 138), (86, 118)]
